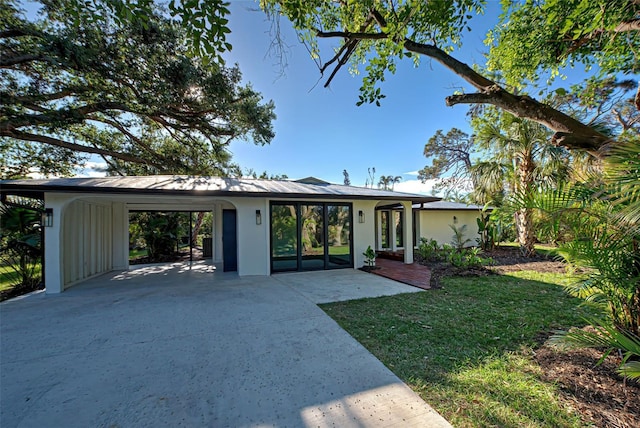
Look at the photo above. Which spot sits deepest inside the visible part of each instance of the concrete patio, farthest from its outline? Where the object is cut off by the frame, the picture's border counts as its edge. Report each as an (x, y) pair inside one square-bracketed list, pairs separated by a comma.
[(180, 345)]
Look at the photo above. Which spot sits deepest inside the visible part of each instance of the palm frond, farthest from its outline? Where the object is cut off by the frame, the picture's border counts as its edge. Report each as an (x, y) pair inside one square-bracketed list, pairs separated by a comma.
[(622, 168), (604, 336)]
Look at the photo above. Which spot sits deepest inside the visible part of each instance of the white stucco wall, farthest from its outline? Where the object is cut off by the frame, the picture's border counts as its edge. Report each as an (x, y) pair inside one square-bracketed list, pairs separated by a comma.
[(253, 239), (364, 234), (80, 244), (90, 234), (434, 224)]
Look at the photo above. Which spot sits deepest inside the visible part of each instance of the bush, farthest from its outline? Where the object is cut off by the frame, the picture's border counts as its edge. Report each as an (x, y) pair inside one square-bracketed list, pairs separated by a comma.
[(466, 258), (429, 250), (21, 248)]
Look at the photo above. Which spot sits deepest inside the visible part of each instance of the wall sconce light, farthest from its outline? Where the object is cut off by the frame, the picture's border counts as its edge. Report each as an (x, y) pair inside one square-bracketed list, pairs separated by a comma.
[(258, 217), (360, 216), (455, 220), (47, 217)]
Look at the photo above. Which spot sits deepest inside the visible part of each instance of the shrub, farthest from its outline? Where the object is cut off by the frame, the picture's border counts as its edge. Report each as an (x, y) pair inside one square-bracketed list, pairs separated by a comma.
[(459, 239), (429, 250)]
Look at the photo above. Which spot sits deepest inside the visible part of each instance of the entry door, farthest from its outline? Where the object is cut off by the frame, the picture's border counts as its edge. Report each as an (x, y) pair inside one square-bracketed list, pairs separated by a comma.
[(229, 242)]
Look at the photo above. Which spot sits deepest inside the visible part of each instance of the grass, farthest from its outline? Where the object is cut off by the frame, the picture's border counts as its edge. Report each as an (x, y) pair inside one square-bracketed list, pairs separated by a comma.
[(467, 348), (8, 276), (137, 253), (548, 250)]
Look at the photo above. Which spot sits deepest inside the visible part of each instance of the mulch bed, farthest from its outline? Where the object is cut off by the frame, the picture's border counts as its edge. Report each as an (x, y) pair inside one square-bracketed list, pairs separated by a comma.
[(596, 391), (510, 259)]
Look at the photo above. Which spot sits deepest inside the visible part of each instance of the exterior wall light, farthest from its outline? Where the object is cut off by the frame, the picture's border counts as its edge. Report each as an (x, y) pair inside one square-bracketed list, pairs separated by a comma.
[(258, 217), (47, 217), (455, 220), (360, 216)]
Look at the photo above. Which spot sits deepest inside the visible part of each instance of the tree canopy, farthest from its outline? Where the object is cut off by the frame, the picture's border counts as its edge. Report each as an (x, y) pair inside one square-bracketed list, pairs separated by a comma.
[(536, 36), (81, 83), (383, 33)]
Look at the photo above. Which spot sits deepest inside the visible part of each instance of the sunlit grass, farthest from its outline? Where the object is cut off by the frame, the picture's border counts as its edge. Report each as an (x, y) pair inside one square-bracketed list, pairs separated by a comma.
[(467, 348), (9, 277), (542, 249), (140, 252)]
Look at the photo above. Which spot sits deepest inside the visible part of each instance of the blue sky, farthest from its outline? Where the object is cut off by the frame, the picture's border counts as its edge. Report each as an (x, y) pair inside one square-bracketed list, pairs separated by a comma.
[(320, 132)]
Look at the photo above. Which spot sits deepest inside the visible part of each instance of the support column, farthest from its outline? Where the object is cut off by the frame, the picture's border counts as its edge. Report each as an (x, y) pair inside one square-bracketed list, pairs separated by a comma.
[(120, 219), (407, 230), (53, 269)]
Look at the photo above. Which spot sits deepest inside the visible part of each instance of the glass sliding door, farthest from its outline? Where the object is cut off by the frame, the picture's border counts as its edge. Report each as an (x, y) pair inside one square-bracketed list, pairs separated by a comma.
[(398, 220), (384, 226), (284, 237), (312, 236), (339, 228)]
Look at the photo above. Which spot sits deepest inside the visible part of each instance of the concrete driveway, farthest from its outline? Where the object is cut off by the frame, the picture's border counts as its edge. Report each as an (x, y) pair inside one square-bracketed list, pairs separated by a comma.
[(182, 346)]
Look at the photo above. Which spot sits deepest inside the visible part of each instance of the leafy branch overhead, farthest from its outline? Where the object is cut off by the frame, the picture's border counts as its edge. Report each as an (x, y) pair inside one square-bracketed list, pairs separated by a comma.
[(382, 33), (124, 89)]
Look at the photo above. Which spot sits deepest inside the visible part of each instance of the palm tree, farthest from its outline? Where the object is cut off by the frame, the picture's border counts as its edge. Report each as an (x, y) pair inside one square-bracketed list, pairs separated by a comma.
[(387, 182), (519, 158), (397, 179), (383, 183)]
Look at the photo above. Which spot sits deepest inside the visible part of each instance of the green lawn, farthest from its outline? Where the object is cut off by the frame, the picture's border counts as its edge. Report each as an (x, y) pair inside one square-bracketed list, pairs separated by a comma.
[(467, 348), (137, 253), (542, 249), (8, 276)]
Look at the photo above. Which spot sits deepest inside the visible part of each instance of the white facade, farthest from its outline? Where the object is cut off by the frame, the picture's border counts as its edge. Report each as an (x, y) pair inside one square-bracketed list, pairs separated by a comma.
[(435, 224), (90, 231)]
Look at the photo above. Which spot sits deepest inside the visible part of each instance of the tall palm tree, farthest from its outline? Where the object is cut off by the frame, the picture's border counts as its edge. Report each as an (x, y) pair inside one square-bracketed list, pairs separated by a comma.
[(387, 182), (519, 158), (383, 182)]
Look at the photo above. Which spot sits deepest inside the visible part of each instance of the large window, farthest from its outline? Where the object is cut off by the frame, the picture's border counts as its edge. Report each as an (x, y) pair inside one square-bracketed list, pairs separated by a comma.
[(339, 228), (310, 236), (384, 225), (397, 218), (284, 241)]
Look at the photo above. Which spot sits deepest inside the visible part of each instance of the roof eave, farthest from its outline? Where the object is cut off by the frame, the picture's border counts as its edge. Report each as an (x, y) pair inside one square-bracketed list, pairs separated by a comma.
[(31, 190)]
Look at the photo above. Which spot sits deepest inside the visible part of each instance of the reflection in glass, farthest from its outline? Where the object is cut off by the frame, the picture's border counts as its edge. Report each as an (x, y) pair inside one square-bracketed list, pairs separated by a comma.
[(312, 236), (398, 222), (284, 240), (384, 222), (339, 239)]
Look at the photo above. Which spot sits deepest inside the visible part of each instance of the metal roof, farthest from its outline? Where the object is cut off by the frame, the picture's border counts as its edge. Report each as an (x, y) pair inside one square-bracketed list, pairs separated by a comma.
[(447, 205), (202, 186)]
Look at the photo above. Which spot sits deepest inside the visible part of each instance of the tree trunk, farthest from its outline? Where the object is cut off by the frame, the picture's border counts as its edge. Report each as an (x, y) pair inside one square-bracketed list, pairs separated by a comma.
[(197, 226), (524, 216)]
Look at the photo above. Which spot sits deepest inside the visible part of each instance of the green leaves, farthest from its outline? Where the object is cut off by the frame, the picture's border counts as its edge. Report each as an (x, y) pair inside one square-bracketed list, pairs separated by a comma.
[(536, 36), (382, 27), (605, 336), (123, 88)]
